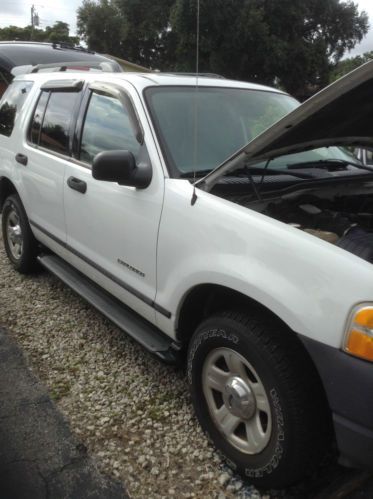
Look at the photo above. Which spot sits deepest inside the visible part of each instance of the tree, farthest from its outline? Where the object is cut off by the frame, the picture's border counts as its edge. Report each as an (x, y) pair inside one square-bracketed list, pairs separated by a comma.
[(100, 26), (132, 29), (314, 35), (292, 43), (15, 33), (146, 34), (59, 32), (230, 31), (346, 65)]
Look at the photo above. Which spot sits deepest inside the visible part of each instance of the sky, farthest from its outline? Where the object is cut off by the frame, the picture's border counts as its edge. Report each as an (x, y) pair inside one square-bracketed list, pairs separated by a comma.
[(17, 12), (367, 44)]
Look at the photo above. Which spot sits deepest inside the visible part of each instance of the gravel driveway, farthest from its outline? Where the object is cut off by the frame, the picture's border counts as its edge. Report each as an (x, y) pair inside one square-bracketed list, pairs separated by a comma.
[(131, 411)]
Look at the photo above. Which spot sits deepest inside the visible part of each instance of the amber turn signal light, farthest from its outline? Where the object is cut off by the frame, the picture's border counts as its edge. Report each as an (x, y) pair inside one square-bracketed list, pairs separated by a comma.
[(359, 334)]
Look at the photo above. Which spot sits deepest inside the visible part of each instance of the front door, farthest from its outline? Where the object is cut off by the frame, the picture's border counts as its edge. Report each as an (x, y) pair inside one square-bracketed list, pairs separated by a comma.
[(112, 229)]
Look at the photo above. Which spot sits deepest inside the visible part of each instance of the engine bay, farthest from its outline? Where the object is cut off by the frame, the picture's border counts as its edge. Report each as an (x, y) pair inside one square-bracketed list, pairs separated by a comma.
[(339, 214)]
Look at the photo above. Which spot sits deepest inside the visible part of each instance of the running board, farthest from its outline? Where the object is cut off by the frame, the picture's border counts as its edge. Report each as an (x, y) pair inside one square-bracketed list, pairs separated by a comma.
[(126, 319)]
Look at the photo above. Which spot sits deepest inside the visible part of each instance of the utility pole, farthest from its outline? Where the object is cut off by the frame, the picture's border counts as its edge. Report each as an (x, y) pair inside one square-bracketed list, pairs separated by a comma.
[(34, 20)]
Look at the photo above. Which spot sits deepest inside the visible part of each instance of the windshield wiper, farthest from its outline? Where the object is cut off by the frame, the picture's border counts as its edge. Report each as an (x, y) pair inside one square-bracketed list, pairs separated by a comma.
[(324, 163), (254, 170), (261, 170)]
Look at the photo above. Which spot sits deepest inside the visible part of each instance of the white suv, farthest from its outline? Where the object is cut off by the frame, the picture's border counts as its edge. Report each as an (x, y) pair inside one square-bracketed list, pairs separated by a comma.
[(256, 269)]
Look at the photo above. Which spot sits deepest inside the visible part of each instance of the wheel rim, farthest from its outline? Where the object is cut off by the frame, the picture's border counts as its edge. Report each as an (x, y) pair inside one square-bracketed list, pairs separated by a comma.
[(237, 400), (14, 234)]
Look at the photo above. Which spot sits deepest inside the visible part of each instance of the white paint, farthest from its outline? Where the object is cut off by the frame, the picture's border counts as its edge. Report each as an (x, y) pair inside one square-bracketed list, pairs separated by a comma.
[(310, 284)]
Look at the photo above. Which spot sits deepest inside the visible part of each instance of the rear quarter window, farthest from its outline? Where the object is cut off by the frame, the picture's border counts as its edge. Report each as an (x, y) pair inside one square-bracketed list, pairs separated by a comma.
[(11, 104), (5, 79)]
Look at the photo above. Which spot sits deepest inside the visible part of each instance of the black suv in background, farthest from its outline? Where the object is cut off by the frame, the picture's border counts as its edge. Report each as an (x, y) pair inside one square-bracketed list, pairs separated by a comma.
[(14, 54)]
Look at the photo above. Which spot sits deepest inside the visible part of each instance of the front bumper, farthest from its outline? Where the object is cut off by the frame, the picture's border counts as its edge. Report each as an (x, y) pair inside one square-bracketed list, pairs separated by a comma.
[(348, 384)]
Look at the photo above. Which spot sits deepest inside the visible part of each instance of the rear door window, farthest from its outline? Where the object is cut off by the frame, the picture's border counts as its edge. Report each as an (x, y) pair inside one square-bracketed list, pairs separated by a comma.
[(50, 127), (11, 104), (55, 130)]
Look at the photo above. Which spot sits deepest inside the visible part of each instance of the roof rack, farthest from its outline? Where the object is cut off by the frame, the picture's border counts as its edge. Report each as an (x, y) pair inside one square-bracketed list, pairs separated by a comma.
[(67, 45), (79, 65), (203, 75)]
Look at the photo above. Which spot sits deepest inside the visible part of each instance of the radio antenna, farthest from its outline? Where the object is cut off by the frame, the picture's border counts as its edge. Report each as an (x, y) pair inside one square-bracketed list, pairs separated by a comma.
[(195, 124)]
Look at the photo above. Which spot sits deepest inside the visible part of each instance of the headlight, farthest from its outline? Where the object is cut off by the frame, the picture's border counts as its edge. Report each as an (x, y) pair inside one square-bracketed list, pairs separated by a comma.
[(359, 333)]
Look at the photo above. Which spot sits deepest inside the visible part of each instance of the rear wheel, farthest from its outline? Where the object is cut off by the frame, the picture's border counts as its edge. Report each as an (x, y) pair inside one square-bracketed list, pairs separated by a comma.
[(258, 397), (19, 242)]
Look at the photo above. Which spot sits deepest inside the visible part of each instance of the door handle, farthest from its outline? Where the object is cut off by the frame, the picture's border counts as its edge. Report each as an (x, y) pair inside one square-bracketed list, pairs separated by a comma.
[(22, 159), (77, 185)]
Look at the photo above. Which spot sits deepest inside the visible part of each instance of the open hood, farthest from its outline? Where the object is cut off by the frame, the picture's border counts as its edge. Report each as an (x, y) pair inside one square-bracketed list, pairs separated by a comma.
[(340, 114)]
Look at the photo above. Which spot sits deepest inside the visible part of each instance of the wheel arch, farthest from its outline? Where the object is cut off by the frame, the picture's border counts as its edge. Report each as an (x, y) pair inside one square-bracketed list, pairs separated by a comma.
[(6, 189), (205, 299)]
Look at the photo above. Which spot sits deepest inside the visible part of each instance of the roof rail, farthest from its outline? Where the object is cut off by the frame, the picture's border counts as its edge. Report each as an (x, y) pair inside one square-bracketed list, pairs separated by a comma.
[(203, 75), (70, 46), (78, 65)]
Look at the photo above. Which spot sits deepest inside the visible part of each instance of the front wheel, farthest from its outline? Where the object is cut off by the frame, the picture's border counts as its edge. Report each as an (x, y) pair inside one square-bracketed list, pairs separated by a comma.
[(257, 396)]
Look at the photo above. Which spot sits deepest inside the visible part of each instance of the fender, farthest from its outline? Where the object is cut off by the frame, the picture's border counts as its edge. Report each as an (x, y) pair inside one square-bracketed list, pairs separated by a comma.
[(298, 277)]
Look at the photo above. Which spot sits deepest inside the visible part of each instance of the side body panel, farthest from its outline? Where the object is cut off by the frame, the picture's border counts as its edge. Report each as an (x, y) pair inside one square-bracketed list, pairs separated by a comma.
[(310, 284)]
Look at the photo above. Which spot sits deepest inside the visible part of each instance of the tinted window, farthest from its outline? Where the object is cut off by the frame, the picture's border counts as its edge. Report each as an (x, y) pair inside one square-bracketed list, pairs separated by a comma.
[(5, 79), (38, 117), (19, 54), (369, 157), (56, 123), (200, 130), (11, 104), (107, 127)]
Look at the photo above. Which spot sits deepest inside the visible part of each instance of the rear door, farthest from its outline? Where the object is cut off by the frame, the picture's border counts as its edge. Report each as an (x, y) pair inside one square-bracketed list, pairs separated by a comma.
[(46, 151)]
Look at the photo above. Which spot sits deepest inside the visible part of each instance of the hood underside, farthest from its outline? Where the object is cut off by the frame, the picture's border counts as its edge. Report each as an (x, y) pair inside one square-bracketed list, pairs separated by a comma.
[(340, 114)]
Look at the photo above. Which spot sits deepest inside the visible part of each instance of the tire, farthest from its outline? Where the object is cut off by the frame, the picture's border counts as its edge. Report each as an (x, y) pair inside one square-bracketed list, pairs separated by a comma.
[(259, 373), (20, 244)]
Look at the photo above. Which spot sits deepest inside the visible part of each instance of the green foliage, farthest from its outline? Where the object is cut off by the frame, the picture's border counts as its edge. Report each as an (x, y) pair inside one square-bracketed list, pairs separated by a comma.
[(101, 26), (59, 32), (349, 64), (291, 43)]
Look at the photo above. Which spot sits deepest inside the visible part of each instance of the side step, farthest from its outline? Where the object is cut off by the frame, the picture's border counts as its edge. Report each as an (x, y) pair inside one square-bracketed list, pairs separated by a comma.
[(126, 319)]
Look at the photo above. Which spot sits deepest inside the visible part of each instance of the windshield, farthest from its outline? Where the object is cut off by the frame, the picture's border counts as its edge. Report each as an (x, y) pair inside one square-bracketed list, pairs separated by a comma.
[(199, 129)]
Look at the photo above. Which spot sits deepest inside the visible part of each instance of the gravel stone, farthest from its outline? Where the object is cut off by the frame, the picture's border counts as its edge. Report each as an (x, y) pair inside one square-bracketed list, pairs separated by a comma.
[(131, 411), (237, 485), (223, 478)]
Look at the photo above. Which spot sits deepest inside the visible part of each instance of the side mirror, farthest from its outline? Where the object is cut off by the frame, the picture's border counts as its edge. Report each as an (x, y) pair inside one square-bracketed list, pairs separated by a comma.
[(120, 166)]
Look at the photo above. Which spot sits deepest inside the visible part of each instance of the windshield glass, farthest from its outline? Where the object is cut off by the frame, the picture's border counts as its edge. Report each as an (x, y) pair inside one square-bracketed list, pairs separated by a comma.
[(199, 129)]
